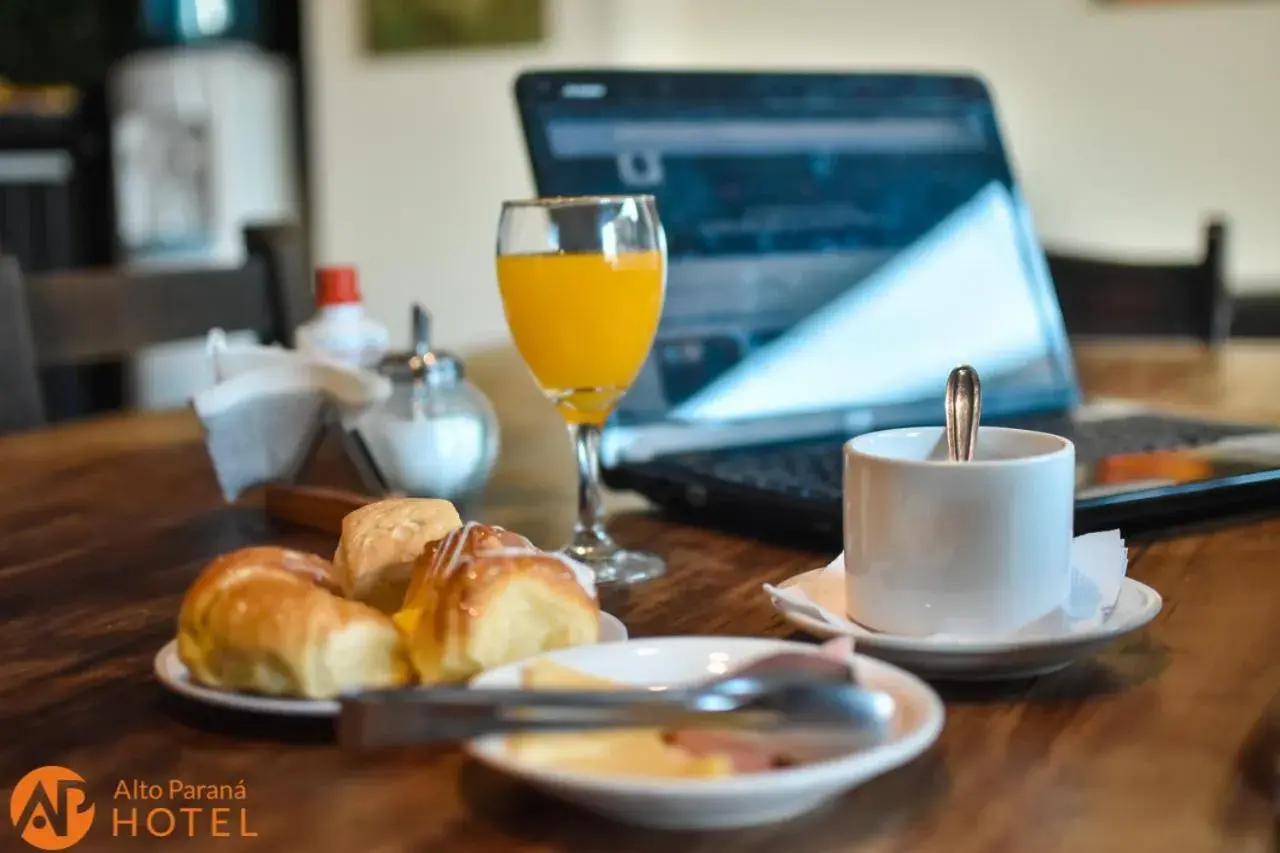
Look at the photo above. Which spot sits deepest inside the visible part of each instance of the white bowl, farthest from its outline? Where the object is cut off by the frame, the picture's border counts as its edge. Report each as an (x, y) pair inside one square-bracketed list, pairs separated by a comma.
[(736, 801)]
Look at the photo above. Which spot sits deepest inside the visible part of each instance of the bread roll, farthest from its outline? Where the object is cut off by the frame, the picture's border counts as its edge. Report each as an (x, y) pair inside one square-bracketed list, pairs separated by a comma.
[(442, 558), (500, 607), (380, 541), (268, 620)]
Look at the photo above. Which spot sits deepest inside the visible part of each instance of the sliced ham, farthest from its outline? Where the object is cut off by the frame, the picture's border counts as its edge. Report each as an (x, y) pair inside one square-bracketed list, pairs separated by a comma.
[(749, 753)]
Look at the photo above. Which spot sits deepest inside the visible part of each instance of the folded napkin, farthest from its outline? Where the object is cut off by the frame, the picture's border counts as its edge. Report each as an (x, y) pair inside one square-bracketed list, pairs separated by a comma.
[(1099, 562), (229, 359), (263, 420)]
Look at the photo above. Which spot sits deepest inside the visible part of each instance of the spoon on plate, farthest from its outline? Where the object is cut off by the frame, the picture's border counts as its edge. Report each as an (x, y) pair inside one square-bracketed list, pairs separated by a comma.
[(964, 410), (785, 691)]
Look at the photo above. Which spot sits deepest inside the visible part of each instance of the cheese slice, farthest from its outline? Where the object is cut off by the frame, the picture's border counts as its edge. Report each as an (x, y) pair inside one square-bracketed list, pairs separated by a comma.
[(625, 752), (548, 675), (407, 620)]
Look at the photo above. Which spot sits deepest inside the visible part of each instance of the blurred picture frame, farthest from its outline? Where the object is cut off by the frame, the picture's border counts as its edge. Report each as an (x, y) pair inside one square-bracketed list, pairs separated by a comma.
[(409, 26)]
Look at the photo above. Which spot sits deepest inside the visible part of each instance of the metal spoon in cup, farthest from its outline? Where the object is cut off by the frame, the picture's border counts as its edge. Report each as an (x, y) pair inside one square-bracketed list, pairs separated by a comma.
[(964, 410)]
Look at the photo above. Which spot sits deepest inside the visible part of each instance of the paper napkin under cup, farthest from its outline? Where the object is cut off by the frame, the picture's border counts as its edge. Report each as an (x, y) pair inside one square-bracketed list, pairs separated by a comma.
[(1099, 562)]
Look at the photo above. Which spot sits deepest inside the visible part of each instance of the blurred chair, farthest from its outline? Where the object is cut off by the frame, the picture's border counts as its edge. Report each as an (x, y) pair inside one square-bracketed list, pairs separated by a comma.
[(76, 317), (1102, 298)]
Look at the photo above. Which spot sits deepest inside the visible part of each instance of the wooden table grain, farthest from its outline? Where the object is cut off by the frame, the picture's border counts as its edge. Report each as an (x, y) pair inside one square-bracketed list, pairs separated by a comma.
[(1160, 743)]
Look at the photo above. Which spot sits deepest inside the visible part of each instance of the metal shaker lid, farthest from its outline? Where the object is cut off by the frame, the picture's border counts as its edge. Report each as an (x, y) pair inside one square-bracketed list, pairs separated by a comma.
[(435, 368)]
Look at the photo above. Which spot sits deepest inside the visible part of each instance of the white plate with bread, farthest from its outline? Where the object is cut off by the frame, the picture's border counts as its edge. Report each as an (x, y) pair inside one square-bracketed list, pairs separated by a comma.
[(413, 596), (699, 780)]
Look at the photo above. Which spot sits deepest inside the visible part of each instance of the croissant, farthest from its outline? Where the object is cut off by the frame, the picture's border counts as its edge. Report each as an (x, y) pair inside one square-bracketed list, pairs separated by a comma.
[(498, 607), (269, 620), (381, 540), (312, 567)]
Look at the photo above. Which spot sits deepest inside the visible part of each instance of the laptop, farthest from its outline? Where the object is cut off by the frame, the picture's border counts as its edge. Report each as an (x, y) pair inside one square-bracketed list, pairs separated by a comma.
[(838, 243)]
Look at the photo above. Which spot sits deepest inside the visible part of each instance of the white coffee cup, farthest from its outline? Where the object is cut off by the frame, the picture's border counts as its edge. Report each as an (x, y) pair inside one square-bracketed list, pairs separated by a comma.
[(977, 548)]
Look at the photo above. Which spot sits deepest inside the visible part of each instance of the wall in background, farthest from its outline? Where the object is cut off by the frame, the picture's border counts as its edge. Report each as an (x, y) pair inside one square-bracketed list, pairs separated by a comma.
[(412, 156), (1128, 125)]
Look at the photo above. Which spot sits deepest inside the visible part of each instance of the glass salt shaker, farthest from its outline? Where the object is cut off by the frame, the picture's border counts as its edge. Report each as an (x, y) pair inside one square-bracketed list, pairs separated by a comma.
[(437, 435)]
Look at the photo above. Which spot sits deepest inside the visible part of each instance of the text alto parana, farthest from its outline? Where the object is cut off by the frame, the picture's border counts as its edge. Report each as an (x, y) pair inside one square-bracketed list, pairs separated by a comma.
[(217, 811)]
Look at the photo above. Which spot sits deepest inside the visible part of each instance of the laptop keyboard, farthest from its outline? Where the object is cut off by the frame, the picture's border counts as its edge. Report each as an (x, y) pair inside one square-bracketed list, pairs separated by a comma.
[(814, 470)]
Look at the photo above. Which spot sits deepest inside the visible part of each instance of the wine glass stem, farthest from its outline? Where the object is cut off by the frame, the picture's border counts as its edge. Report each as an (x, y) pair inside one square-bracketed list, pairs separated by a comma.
[(589, 536)]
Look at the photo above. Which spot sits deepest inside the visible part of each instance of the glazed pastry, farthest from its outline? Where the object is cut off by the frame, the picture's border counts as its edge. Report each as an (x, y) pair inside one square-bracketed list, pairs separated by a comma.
[(499, 607), (270, 621), (442, 558), (380, 541)]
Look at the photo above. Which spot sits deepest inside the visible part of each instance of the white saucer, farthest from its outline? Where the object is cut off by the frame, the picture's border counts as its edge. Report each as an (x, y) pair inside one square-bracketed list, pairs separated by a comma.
[(1014, 656), (750, 799), (174, 675)]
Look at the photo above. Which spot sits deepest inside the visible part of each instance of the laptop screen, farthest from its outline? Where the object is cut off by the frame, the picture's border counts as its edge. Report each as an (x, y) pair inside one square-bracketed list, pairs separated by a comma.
[(837, 243)]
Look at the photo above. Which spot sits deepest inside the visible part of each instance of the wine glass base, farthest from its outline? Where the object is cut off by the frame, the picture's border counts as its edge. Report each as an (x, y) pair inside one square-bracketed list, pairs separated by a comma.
[(619, 567)]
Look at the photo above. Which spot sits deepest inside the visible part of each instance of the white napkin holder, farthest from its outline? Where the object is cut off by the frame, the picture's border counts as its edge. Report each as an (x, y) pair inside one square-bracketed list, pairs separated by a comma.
[(272, 408)]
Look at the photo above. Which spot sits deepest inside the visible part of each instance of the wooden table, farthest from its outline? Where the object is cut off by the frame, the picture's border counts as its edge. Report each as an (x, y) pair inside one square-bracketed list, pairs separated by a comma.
[(103, 524)]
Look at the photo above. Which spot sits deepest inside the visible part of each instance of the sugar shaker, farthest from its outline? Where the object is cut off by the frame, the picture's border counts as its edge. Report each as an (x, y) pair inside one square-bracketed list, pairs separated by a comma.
[(437, 434)]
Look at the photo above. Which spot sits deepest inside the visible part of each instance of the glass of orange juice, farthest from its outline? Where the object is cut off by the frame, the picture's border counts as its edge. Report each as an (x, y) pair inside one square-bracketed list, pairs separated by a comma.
[(582, 282)]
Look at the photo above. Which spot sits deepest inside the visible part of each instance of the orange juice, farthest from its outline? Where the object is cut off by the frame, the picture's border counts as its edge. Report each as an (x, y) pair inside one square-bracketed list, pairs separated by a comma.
[(583, 323)]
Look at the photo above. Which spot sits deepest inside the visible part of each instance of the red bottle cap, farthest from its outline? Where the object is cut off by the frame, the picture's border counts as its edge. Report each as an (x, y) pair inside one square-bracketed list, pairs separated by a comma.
[(337, 285)]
